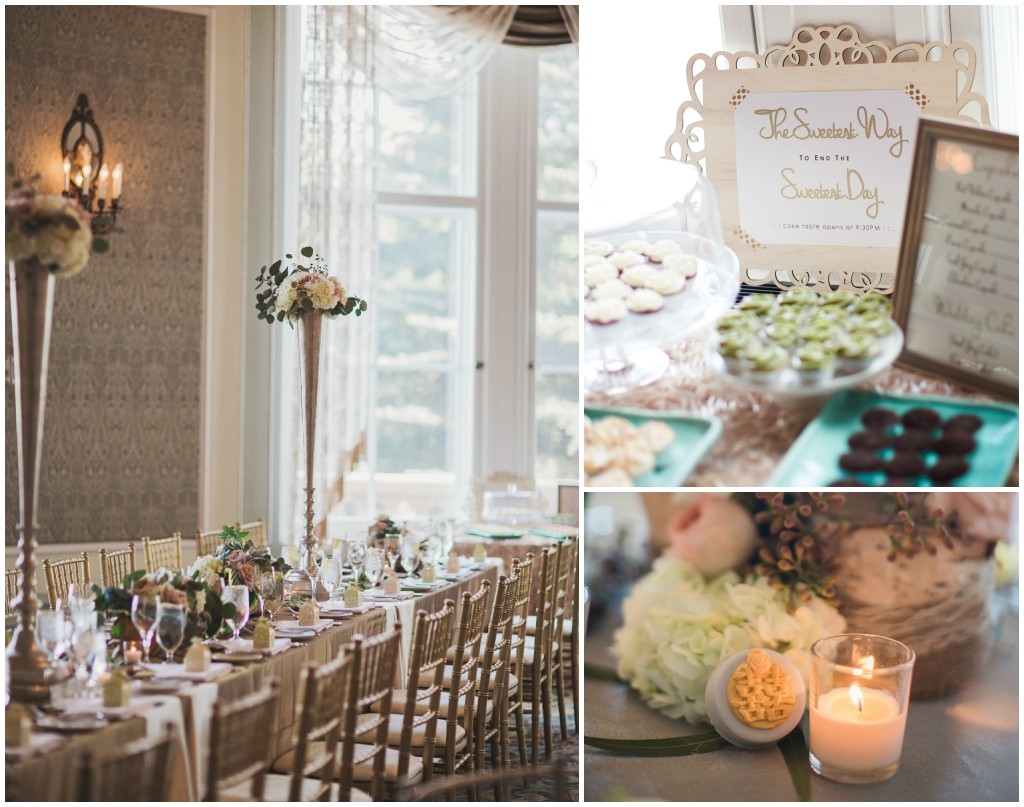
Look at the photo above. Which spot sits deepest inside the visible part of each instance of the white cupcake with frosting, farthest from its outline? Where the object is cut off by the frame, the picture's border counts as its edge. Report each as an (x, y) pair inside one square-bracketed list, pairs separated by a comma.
[(645, 301), (637, 276), (598, 273), (686, 265), (612, 288), (605, 312), (666, 282), (626, 259)]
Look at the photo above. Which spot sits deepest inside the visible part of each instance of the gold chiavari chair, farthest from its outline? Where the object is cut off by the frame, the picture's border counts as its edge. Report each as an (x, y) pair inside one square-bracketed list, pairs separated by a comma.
[(523, 571), (257, 531), (116, 564), (141, 771), (163, 552), (556, 655), (62, 574), (10, 590), (469, 785), (370, 764), (494, 681), (207, 542), (536, 670), (241, 746), (413, 723)]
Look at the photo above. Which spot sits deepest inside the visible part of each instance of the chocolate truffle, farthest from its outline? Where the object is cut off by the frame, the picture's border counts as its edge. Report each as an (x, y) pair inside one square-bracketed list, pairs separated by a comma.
[(904, 464), (860, 459), (948, 468), (913, 440), (954, 443), (921, 418), (872, 440), (878, 417), (967, 423)]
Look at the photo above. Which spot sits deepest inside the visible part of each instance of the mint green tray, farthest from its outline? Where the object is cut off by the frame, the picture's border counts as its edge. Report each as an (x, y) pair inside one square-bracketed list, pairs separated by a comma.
[(813, 460), (695, 435)]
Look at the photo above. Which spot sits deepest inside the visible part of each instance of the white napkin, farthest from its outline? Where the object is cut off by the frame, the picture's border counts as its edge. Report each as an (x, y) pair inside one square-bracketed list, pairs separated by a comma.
[(293, 628), (175, 670), (245, 646)]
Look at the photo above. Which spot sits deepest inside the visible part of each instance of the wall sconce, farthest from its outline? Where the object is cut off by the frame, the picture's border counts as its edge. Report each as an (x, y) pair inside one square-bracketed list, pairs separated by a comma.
[(86, 177)]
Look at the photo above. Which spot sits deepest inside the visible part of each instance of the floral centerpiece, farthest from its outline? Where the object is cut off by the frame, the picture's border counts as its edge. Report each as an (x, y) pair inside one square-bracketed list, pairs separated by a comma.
[(238, 561), (756, 570), (284, 291), (204, 610)]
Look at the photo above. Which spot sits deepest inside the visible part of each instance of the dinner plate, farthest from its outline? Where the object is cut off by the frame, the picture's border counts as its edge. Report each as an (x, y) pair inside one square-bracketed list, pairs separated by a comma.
[(79, 722), (813, 460), (694, 437)]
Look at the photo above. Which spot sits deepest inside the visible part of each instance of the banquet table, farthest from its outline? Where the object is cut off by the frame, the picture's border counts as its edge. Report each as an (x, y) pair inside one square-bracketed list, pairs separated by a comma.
[(46, 776), (964, 747), (756, 430)]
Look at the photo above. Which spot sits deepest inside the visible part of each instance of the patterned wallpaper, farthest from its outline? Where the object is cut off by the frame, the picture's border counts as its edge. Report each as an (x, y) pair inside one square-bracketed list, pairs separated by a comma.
[(122, 437)]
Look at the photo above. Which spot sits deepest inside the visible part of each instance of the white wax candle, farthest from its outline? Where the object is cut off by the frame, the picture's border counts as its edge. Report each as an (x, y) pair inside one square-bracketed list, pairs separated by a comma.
[(855, 738), (118, 179), (104, 174), (67, 175), (132, 654)]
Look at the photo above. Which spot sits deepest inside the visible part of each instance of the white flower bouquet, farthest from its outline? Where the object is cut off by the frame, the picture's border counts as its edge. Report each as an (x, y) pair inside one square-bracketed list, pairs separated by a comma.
[(284, 291), (51, 229), (678, 626)]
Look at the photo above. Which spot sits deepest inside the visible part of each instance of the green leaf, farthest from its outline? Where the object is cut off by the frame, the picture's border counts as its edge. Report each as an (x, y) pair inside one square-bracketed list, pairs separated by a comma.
[(275, 266), (100, 244), (129, 579), (601, 673), (663, 747), (307, 252), (794, 750)]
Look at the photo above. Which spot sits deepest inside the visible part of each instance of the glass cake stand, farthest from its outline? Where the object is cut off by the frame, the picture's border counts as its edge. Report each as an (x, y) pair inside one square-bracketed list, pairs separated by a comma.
[(630, 353)]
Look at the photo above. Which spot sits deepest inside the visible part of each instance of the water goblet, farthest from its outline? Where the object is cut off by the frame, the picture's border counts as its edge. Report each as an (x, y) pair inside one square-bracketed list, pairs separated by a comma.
[(392, 549), (239, 597), (312, 570), (83, 653), (410, 555), (330, 576), (144, 608), (170, 627), (356, 553), (52, 633), (373, 566), (266, 583)]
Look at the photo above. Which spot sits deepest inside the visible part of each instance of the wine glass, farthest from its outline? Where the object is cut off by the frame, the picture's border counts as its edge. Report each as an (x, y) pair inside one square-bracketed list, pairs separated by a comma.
[(312, 570), (410, 555), (144, 607), (239, 597), (356, 554), (170, 627), (392, 549), (83, 652), (330, 576), (447, 538), (52, 632), (266, 583), (373, 566)]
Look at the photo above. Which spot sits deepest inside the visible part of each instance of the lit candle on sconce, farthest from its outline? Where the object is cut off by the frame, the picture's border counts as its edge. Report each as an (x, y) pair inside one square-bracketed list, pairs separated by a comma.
[(118, 179), (102, 191), (67, 175), (86, 173)]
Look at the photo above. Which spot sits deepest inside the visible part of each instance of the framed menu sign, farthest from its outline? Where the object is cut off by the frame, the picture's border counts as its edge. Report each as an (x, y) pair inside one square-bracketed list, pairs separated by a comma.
[(810, 146), (957, 291)]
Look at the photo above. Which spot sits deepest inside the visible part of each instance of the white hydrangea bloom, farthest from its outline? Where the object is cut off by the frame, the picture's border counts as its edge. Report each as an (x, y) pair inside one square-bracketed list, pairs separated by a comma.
[(678, 628)]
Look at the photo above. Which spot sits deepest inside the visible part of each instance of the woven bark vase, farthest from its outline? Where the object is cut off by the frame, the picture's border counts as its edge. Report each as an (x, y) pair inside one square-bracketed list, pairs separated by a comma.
[(937, 605)]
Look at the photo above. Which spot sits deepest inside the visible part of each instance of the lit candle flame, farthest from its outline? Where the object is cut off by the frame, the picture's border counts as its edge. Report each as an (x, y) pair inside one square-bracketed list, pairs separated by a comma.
[(857, 697)]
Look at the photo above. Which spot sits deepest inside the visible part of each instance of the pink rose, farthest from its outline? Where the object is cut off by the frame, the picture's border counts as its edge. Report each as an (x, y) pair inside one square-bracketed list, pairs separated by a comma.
[(235, 558), (247, 574), (144, 585), (714, 533), (174, 596)]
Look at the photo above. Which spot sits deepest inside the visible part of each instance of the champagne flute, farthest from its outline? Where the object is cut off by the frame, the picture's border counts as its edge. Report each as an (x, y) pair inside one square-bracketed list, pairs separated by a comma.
[(170, 627), (144, 607), (239, 597)]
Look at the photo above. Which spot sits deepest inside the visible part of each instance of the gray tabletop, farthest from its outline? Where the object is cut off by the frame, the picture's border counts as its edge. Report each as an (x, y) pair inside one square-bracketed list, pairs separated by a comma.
[(962, 748)]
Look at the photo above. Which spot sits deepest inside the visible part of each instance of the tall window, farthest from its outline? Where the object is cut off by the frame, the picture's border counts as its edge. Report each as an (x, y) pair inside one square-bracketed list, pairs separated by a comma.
[(433, 206)]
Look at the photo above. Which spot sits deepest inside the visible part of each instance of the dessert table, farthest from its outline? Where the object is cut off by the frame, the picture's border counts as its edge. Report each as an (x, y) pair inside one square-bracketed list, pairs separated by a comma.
[(46, 776), (756, 431), (964, 747)]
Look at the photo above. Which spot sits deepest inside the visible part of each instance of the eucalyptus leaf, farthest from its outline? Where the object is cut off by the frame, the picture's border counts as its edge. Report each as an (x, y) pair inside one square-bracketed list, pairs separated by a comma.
[(306, 252), (662, 747), (794, 750)]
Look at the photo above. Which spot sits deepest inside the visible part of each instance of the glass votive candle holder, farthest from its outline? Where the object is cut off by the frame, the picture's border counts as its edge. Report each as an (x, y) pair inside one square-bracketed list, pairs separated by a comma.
[(859, 693)]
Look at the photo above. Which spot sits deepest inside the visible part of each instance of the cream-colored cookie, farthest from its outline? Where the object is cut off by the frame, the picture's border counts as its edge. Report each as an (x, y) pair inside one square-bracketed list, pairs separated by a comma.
[(605, 312), (655, 436), (637, 276), (612, 288), (590, 259), (686, 265), (602, 248), (612, 478), (597, 458), (661, 248), (636, 245), (634, 459), (598, 273), (667, 281), (612, 431), (645, 301), (626, 259)]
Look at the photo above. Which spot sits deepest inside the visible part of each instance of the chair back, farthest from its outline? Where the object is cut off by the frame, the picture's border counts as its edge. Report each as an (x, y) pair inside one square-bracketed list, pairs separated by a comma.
[(10, 590), (257, 531), (324, 691), (62, 574), (374, 663), (430, 638), (141, 771), (545, 613), (116, 565), (241, 746), (163, 552), (207, 542), (563, 589), (522, 570)]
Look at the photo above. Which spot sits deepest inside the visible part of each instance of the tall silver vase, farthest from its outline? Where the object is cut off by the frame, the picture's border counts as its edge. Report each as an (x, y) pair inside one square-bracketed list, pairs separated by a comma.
[(310, 328), (31, 295)]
